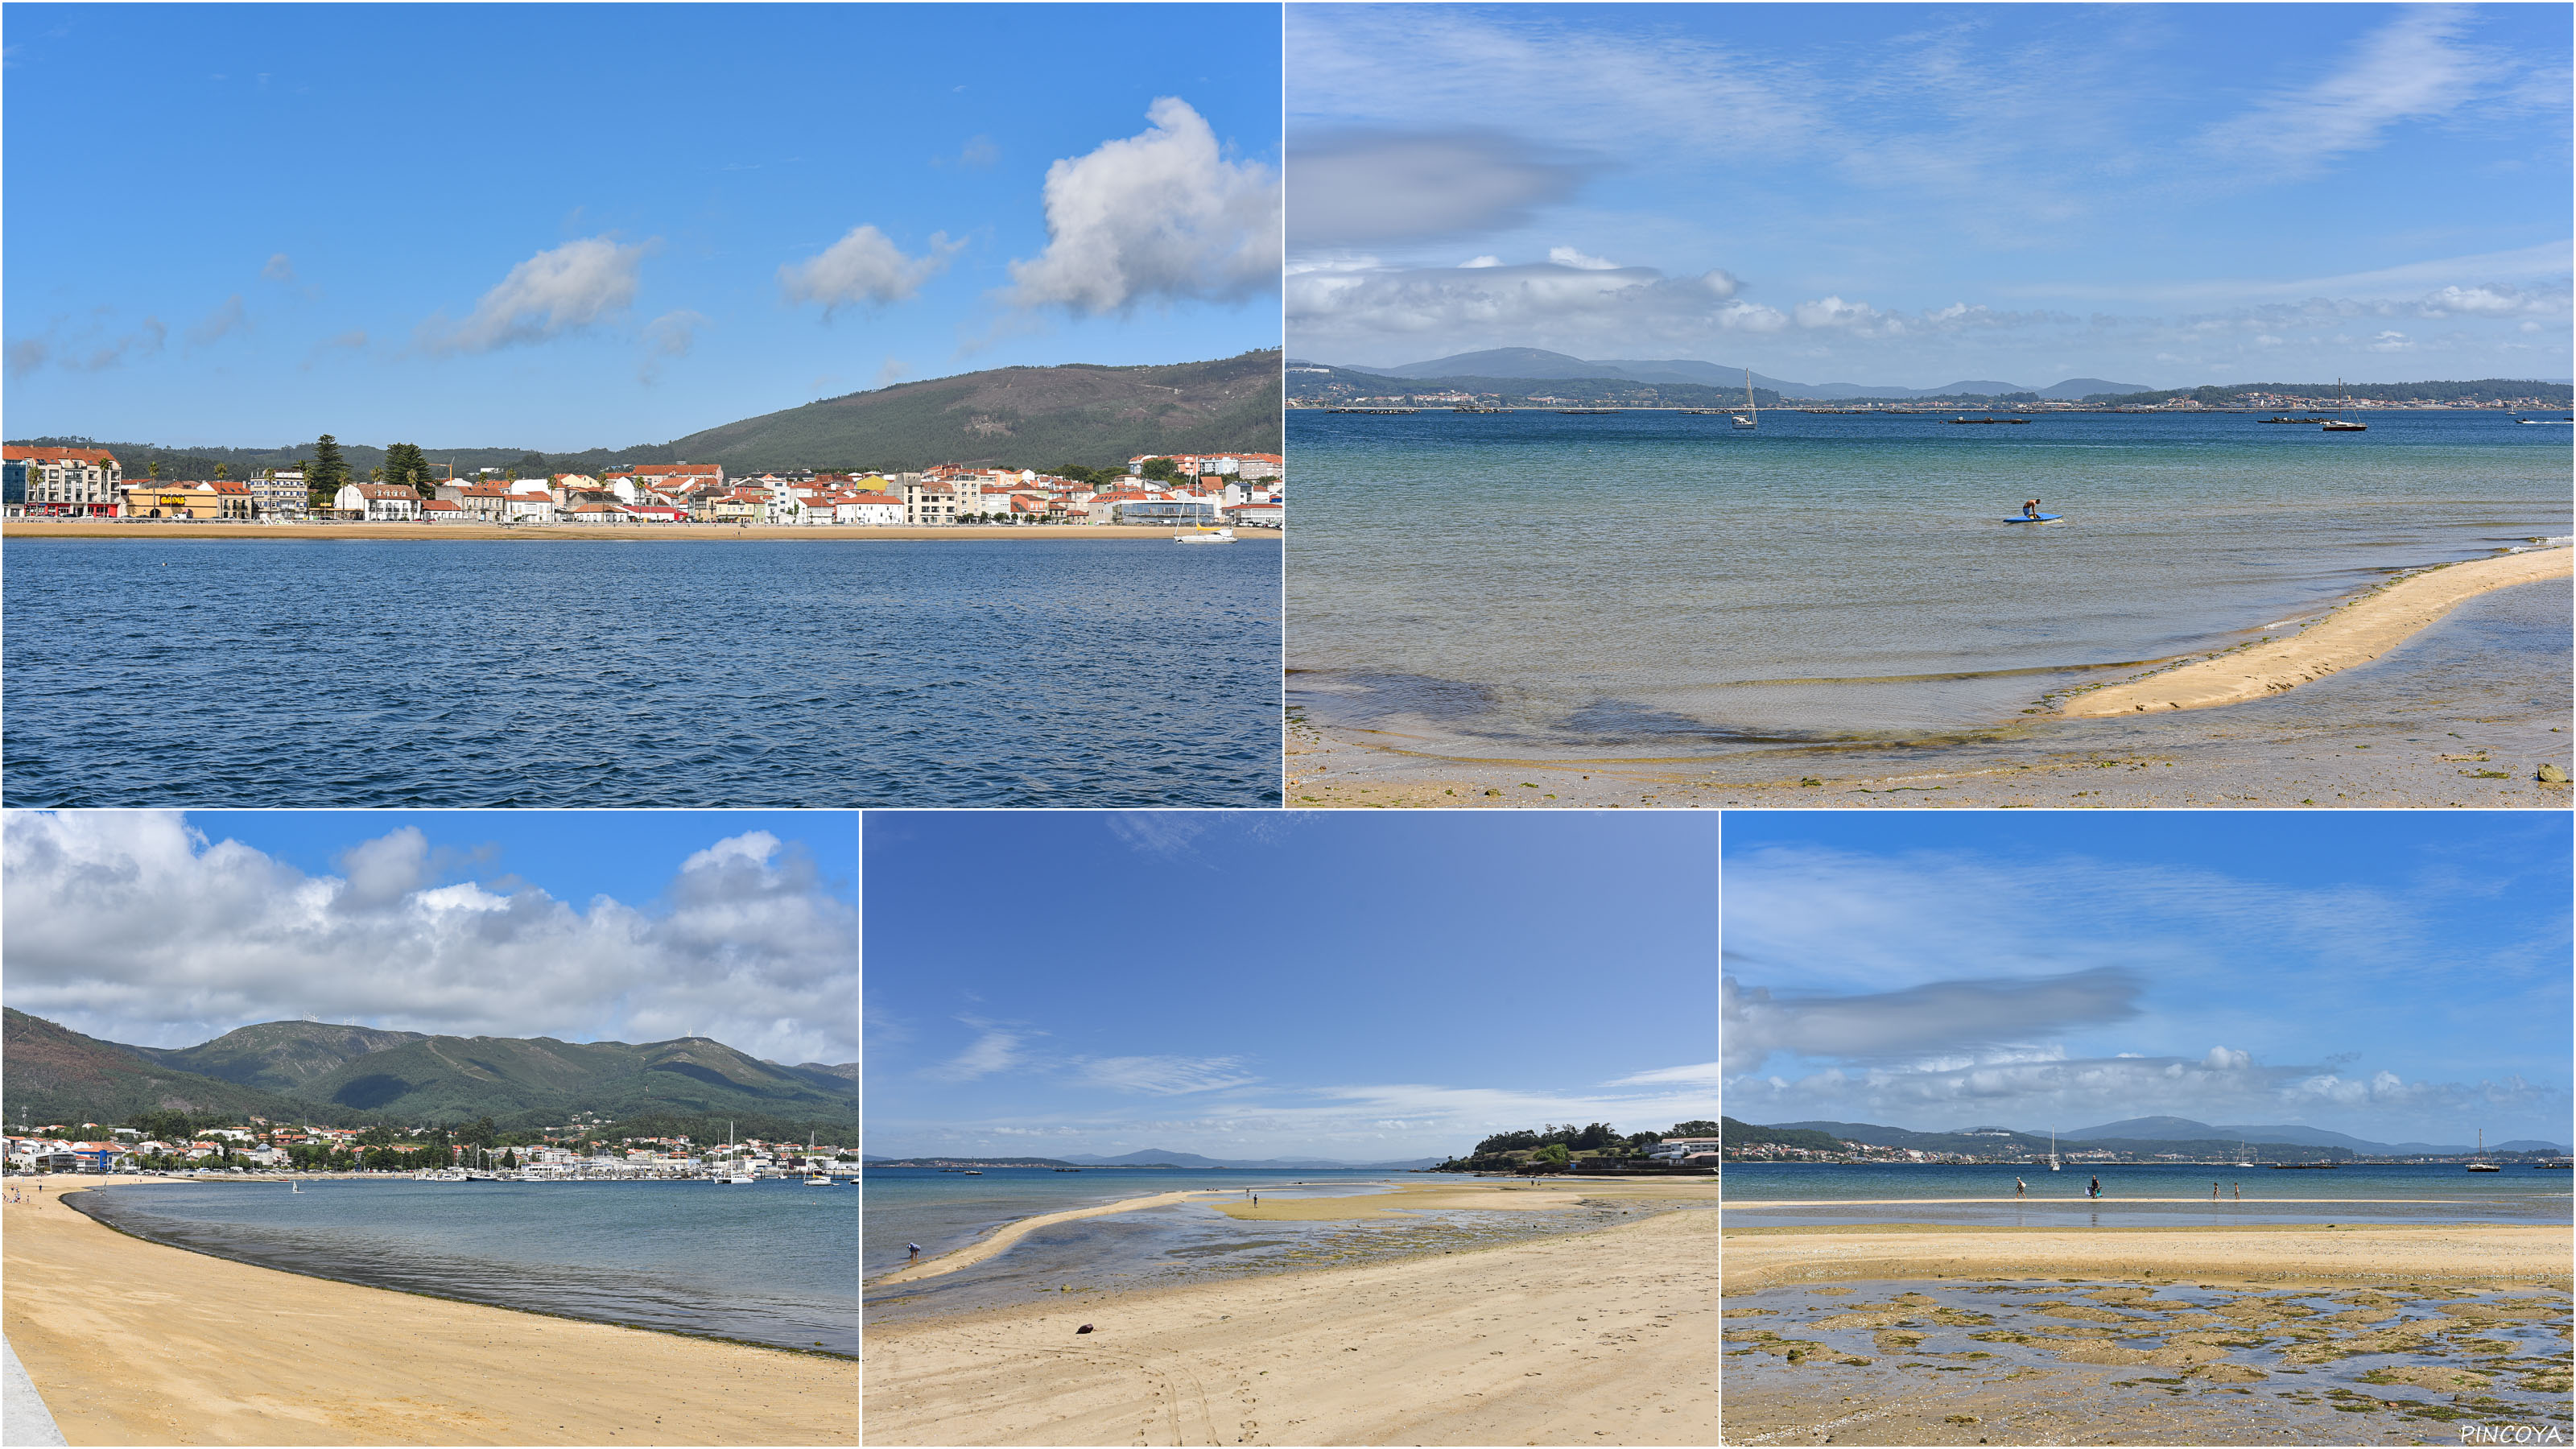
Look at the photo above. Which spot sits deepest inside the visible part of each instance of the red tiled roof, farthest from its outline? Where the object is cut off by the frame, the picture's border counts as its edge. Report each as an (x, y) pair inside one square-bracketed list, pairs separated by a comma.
[(56, 455)]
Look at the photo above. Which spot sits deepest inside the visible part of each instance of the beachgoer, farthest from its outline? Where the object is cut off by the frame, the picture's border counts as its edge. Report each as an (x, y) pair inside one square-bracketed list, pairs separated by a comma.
[(2240, 1191), (916, 1251), (2213, 1192), (2030, 509), (2019, 1187), (2096, 1189)]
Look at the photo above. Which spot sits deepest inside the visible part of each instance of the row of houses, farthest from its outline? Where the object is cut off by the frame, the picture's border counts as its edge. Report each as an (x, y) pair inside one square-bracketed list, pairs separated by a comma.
[(1240, 489)]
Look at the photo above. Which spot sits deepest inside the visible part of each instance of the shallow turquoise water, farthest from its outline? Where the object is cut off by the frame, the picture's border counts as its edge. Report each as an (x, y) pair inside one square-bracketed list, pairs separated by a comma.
[(1539, 585)]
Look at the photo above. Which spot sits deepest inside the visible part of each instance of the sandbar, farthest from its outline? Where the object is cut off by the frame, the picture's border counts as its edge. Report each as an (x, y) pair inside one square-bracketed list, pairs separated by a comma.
[(573, 533), (999, 1241), (2356, 632), (1603, 1337), (2454, 1253), (133, 1342)]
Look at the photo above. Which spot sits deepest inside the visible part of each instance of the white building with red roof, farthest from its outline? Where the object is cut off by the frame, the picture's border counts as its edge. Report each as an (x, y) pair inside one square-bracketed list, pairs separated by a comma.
[(67, 480)]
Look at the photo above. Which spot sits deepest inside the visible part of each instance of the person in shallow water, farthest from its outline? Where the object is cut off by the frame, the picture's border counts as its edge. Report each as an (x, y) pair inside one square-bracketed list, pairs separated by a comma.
[(2095, 1190), (2030, 509), (916, 1251), (2020, 1188)]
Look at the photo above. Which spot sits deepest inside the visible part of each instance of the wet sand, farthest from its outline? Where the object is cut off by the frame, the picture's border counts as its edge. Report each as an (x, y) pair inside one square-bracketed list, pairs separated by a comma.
[(2354, 632), (1902, 1334), (136, 1343), (2466, 1254), (573, 532), (1594, 1338)]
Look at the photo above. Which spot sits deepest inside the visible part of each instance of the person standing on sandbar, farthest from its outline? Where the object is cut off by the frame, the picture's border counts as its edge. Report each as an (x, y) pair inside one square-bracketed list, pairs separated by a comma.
[(2095, 1190)]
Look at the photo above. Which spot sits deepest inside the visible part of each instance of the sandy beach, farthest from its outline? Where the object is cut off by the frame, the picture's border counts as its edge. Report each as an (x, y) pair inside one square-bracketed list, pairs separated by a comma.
[(2354, 632), (135, 1343), (570, 533), (2464, 1254), (1593, 1338)]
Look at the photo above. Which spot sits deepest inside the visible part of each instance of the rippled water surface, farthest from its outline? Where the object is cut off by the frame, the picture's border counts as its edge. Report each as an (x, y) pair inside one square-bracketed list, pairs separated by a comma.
[(1013, 672), (1530, 584), (770, 1262)]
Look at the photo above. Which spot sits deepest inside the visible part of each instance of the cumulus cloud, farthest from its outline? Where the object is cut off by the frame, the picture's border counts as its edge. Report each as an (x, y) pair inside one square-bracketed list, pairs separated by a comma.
[(279, 269), (864, 267), (1161, 216), (132, 926), (554, 292), (1379, 188)]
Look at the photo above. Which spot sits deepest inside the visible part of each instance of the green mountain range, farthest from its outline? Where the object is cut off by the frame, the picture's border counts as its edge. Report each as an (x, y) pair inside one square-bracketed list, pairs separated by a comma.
[(1021, 417), (328, 1072)]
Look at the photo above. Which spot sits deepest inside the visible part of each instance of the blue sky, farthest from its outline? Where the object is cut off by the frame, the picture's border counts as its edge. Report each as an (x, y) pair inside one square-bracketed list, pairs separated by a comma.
[(168, 929), (2397, 976), (1362, 988), (1915, 195), (562, 227)]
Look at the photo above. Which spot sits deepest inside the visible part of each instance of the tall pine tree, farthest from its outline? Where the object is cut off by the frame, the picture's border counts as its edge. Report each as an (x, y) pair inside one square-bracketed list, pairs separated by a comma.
[(323, 480)]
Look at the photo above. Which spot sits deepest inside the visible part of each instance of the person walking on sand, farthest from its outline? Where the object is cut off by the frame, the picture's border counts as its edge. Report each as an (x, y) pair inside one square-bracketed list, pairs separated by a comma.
[(2213, 1192), (2240, 1191), (2020, 1188)]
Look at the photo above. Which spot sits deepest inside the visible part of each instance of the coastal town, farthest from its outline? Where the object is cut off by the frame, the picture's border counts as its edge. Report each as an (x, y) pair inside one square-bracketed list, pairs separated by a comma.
[(569, 1153), (1210, 490)]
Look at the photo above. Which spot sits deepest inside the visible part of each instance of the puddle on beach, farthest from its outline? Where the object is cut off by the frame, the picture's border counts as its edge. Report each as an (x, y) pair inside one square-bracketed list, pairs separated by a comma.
[(2089, 1361), (1185, 1243)]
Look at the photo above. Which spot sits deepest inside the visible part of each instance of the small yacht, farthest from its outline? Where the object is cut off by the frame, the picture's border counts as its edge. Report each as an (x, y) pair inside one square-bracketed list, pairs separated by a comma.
[(1205, 535), (1752, 415), (2479, 1163), (2052, 1151), (2337, 423)]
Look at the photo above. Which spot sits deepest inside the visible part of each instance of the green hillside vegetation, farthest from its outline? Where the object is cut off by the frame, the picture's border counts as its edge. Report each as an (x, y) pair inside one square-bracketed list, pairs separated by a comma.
[(54, 1074), (1027, 417), (1021, 417), (336, 1074), (1559, 1147), (1744, 1134)]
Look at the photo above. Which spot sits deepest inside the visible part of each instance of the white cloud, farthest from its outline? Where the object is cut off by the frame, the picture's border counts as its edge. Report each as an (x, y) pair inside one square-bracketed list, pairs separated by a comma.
[(2391, 342), (546, 296), (864, 266), (279, 269), (2409, 69), (1157, 217), (1569, 257), (1163, 1076), (997, 1050), (128, 925)]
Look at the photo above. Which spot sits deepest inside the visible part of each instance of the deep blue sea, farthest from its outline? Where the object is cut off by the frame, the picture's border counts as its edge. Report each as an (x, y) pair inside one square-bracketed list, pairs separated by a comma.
[(1768, 1194), (771, 1262), (1530, 585), (1010, 672)]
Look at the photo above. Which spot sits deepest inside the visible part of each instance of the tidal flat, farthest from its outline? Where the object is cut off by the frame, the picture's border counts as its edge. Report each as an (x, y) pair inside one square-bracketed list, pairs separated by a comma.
[(2094, 1361)]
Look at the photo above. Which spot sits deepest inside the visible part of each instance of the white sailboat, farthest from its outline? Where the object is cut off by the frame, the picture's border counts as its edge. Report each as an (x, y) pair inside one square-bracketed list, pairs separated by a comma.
[(2052, 1151), (2479, 1163), (2338, 424), (1752, 415), (814, 1174), (733, 1174)]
